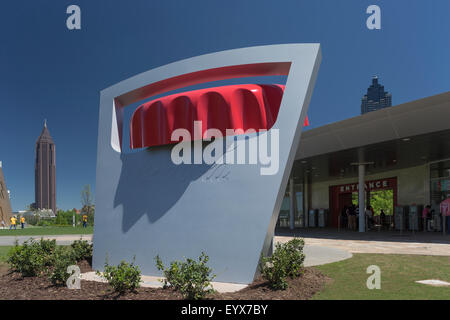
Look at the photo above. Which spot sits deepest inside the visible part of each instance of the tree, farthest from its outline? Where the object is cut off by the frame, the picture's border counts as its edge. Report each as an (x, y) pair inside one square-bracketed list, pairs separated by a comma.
[(86, 200), (382, 199)]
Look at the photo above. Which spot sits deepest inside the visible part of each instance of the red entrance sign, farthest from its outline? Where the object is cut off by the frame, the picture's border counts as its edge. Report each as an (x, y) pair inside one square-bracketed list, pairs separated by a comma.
[(371, 185), (340, 196)]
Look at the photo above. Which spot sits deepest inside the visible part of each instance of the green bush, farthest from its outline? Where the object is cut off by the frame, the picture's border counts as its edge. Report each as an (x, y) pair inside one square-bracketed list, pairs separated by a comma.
[(46, 222), (29, 259), (122, 278), (82, 250), (32, 220), (34, 258), (286, 261), (62, 220), (62, 258), (47, 248), (191, 278)]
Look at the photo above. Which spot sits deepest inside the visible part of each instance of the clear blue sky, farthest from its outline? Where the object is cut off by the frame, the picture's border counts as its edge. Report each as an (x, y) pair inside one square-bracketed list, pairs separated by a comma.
[(47, 71)]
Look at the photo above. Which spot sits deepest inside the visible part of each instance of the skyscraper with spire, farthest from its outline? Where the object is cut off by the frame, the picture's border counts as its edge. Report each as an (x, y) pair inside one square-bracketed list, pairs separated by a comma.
[(376, 98), (45, 171)]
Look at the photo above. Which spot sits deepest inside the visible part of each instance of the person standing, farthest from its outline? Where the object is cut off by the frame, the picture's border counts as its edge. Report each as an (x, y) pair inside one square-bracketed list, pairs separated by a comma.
[(85, 219), (344, 217), (382, 218), (22, 222), (425, 216), (369, 215), (349, 219), (352, 217), (13, 223)]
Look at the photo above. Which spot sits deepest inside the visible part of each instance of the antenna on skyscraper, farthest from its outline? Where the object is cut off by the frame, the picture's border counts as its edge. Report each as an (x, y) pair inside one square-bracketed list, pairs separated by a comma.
[(45, 123)]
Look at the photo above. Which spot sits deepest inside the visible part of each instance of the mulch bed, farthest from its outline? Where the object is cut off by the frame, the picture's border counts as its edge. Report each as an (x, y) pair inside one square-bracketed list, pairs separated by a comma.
[(301, 288), (14, 287)]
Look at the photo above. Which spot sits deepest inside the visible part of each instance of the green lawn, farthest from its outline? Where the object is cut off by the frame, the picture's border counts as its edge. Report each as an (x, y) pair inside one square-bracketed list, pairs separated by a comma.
[(3, 253), (398, 276), (41, 231)]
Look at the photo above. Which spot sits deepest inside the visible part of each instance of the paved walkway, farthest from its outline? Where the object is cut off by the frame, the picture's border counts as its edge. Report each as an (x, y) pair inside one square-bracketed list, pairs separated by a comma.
[(317, 255), (421, 243), (314, 254), (319, 244), (361, 246), (60, 239)]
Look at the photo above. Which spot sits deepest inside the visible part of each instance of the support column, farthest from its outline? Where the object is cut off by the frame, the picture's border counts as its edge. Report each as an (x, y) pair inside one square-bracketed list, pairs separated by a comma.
[(292, 204), (309, 202), (361, 197)]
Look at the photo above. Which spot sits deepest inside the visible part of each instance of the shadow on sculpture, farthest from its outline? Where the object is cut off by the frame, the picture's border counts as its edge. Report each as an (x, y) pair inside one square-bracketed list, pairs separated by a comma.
[(149, 172)]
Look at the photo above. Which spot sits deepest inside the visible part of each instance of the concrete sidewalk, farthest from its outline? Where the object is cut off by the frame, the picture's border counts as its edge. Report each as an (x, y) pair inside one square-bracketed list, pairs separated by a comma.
[(314, 254), (60, 239), (385, 247), (374, 242), (373, 235), (318, 255)]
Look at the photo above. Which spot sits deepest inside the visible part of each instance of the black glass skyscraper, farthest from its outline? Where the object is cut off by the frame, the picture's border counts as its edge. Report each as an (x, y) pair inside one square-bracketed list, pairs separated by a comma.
[(376, 98)]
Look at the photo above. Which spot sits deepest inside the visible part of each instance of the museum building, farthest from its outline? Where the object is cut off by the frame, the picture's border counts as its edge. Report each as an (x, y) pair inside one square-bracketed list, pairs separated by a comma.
[(402, 152)]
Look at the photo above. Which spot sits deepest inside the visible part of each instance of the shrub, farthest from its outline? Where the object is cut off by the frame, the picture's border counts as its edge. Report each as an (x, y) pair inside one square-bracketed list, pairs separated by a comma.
[(286, 261), (36, 257), (47, 246), (122, 278), (62, 258), (191, 278), (32, 219), (82, 250), (61, 219), (46, 222), (28, 259)]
